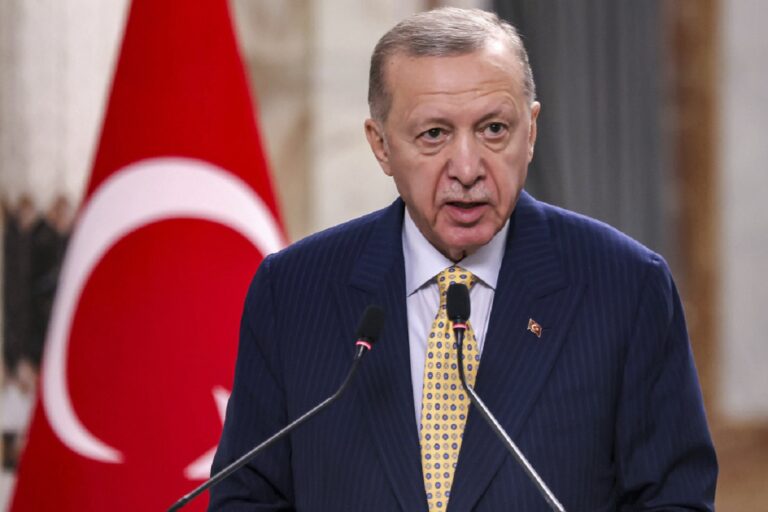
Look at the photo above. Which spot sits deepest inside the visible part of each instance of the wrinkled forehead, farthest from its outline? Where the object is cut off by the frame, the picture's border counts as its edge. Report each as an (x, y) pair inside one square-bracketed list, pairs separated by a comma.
[(498, 52), (462, 77)]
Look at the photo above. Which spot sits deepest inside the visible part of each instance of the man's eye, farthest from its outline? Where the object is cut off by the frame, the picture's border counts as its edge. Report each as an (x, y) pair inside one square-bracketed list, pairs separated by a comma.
[(495, 129), (433, 133)]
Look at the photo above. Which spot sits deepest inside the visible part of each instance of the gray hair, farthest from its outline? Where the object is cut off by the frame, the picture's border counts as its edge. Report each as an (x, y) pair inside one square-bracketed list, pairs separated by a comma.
[(439, 33)]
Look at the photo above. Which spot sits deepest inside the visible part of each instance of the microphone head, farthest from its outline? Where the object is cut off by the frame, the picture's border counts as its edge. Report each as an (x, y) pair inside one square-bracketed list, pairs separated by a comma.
[(371, 324), (457, 303)]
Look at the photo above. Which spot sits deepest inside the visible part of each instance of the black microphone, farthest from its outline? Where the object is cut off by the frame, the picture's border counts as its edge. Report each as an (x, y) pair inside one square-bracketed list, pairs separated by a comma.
[(368, 331), (458, 309)]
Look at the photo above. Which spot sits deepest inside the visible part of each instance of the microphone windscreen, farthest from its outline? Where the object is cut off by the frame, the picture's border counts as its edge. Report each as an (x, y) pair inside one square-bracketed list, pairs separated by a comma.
[(371, 324), (457, 303)]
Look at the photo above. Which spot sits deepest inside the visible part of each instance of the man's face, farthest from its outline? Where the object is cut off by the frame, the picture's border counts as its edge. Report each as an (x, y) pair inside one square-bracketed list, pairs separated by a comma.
[(457, 141)]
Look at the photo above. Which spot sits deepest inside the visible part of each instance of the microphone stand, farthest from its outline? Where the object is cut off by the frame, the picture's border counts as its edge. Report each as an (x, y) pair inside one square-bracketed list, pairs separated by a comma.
[(459, 328), (362, 348)]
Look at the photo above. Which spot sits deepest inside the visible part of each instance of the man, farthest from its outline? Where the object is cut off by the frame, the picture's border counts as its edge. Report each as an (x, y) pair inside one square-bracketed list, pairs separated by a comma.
[(578, 330)]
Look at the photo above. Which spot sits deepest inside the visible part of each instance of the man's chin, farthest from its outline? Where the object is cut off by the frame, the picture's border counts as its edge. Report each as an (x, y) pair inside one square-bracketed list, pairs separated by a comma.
[(459, 247)]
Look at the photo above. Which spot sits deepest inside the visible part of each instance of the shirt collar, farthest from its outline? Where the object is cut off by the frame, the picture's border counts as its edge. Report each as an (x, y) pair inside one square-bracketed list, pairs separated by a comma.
[(423, 262)]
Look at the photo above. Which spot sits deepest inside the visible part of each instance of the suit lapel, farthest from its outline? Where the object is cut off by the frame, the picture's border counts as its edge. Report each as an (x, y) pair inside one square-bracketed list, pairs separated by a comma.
[(515, 362), (385, 376)]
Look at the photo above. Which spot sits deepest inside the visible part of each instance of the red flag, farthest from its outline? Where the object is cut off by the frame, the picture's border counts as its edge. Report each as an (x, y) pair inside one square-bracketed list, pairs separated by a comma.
[(178, 213)]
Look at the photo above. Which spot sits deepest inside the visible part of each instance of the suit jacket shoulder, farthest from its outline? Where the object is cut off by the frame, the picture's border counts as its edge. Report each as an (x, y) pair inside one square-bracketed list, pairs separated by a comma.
[(585, 240)]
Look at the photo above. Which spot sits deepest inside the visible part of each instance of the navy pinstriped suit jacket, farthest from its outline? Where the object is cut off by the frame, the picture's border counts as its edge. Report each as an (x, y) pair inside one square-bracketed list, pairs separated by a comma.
[(606, 404)]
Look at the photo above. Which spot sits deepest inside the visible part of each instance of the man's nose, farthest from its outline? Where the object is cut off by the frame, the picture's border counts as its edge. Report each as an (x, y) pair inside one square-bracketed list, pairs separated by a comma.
[(466, 163)]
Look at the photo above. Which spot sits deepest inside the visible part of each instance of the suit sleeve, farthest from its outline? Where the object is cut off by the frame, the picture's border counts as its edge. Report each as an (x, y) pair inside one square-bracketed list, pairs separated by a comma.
[(255, 411), (664, 453)]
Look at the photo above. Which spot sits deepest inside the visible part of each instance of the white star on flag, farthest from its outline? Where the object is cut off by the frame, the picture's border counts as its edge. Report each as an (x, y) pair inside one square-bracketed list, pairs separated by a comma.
[(201, 468)]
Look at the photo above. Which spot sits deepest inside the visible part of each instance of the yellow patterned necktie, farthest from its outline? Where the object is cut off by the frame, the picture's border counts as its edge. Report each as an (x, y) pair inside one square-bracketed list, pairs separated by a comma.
[(444, 403)]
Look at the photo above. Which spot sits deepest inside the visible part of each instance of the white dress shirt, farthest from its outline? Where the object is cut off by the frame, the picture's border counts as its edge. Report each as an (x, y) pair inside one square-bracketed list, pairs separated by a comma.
[(422, 264)]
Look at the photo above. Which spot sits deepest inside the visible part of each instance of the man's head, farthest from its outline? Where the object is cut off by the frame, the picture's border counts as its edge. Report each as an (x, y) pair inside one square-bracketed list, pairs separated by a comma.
[(453, 122)]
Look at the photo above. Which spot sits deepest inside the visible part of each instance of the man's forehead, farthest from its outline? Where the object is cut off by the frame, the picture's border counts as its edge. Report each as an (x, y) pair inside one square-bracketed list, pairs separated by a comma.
[(469, 74), (495, 51)]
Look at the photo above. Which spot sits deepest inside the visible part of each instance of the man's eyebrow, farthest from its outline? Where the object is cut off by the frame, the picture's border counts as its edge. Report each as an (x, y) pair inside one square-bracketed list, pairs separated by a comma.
[(433, 120), (498, 112)]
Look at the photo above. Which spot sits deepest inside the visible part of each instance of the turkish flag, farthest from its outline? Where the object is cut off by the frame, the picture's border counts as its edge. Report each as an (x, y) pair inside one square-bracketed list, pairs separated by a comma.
[(178, 214)]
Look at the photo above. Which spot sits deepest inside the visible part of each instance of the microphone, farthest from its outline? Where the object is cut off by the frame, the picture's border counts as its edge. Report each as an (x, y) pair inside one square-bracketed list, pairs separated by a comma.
[(368, 331), (458, 309)]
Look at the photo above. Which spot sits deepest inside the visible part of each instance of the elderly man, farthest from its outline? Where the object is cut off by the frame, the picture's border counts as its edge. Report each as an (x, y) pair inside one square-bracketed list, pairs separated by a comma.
[(577, 340)]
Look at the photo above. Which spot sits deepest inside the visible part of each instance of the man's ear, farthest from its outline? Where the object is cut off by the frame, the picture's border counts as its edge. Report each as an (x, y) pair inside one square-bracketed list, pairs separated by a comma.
[(374, 132), (533, 131)]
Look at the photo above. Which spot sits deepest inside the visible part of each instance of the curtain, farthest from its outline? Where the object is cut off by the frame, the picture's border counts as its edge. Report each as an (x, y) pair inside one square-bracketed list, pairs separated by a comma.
[(599, 75)]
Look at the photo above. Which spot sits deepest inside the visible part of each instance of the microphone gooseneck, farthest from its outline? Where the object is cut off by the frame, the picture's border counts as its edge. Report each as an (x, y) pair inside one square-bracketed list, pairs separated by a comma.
[(458, 310), (367, 333)]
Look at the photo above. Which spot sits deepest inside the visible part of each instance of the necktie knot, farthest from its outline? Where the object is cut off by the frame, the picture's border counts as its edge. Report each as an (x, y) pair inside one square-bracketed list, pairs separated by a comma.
[(451, 275)]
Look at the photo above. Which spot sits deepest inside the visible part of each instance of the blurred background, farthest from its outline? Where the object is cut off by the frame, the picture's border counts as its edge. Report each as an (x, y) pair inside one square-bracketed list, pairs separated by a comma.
[(654, 115)]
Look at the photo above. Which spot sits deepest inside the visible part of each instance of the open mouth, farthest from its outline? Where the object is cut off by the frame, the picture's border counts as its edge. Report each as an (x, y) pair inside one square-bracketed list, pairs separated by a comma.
[(466, 213), (465, 206)]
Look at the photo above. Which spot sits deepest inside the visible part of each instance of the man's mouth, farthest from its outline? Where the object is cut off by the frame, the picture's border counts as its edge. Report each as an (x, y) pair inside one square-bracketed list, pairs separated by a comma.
[(465, 212), (465, 205)]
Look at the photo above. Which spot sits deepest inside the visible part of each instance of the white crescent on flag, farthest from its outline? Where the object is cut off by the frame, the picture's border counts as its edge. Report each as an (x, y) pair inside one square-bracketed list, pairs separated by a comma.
[(141, 193)]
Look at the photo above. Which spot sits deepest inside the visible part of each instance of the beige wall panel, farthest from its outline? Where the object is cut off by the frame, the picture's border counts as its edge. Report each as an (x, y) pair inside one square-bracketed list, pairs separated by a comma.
[(57, 65), (744, 222)]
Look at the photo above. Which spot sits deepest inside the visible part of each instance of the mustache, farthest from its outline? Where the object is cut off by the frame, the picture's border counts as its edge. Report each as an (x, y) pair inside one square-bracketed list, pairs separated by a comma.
[(478, 193)]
